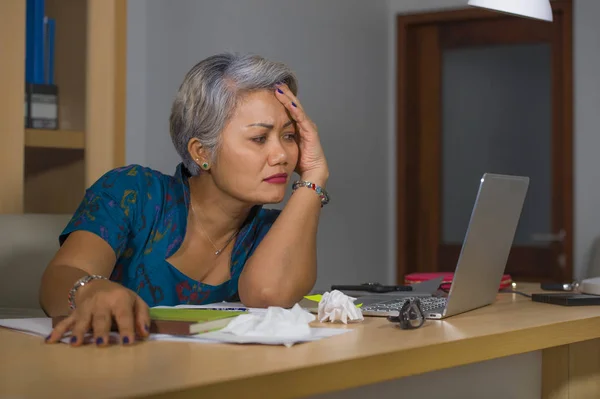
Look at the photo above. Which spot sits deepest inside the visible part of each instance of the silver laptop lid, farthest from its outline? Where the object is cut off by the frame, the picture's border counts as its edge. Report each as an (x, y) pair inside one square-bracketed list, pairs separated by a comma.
[(487, 243)]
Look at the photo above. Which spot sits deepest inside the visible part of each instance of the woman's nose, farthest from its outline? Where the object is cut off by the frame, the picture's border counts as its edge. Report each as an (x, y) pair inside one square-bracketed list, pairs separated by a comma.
[(278, 154)]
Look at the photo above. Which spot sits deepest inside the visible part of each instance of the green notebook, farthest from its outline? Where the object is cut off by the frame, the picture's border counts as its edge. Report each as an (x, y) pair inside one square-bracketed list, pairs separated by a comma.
[(194, 315), (189, 321)]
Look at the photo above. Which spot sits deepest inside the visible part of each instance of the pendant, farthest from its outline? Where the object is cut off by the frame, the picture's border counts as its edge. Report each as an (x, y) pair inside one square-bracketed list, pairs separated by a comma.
[(218, 252)]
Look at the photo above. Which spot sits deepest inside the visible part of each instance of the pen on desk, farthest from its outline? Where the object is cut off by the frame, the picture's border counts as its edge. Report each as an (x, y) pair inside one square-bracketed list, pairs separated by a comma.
[(232, 309)]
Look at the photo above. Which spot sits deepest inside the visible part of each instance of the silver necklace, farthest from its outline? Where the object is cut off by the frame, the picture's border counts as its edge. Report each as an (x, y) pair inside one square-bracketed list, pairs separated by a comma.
[(217, 250)]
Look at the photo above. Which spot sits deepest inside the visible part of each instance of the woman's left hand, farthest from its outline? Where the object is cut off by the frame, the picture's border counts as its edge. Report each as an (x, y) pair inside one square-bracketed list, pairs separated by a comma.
[(311, 165)]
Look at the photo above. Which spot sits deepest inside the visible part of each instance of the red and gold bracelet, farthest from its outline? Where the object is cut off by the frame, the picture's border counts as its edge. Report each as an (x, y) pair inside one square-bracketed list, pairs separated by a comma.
[(323, 195)]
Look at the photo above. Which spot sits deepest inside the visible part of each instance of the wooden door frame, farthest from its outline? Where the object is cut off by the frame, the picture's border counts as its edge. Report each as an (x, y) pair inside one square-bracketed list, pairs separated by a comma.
[(404, 240)]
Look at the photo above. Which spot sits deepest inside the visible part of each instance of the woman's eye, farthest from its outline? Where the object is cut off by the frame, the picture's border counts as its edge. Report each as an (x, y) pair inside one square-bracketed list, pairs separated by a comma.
[(290, 136), (259, 140)]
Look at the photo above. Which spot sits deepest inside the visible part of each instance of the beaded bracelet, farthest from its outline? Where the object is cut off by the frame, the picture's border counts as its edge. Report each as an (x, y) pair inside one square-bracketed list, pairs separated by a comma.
[(323, 195)]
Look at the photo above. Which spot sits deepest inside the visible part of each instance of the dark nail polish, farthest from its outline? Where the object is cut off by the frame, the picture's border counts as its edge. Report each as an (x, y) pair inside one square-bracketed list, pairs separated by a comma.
[(99, 341), (73, 339), (294, 104), (125, 340), (48, 337), (280, 91)]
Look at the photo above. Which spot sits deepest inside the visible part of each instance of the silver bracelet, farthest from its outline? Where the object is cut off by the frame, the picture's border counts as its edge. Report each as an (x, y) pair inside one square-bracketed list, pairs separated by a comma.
[(80, 283)]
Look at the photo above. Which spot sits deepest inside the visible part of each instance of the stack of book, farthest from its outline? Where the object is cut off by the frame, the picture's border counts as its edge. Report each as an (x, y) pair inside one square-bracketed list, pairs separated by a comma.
[(182, 321)]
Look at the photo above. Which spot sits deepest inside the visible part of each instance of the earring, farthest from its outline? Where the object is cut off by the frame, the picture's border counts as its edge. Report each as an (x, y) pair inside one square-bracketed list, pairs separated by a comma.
[(204, 165)]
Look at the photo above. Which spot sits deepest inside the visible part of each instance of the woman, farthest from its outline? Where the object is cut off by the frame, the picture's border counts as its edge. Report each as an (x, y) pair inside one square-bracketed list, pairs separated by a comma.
[(141, 238)]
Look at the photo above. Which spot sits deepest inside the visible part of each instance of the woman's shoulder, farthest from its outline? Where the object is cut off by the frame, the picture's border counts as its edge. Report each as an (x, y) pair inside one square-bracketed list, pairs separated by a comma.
[(131, 176), (133, 180), (133, 185)]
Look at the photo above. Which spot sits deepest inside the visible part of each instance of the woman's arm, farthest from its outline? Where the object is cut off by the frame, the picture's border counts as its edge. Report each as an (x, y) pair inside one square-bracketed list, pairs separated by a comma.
[(94, 237), (91, 243), (83, 253), (98, 302), (283, 268)]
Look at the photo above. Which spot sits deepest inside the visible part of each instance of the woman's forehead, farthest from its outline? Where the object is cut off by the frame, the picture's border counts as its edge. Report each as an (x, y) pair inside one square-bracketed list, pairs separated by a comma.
[(261, 107)]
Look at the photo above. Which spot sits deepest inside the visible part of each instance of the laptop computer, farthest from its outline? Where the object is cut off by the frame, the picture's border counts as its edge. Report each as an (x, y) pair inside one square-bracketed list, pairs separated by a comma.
[(483, 256)]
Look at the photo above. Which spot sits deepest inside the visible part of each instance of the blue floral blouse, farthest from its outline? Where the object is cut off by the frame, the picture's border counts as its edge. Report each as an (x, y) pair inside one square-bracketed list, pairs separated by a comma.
[(142, 214)]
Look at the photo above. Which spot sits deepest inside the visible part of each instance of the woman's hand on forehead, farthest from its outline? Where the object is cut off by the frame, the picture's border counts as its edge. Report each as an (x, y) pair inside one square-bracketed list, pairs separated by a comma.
[(311, 163)]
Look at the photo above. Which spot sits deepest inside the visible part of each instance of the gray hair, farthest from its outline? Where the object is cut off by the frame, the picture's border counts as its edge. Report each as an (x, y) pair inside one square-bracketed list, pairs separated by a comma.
[(209, 94)]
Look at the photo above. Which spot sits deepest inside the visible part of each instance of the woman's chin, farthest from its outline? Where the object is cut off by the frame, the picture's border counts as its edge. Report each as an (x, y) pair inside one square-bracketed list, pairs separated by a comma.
[(273, 198)]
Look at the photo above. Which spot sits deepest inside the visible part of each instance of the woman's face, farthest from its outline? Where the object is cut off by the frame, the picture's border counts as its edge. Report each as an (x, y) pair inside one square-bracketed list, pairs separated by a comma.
[(258, 152)]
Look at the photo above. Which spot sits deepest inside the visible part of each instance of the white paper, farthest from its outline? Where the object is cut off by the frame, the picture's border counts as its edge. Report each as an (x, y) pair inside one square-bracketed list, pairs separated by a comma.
[(276, 322), (37, 326), (278, 326), (271, 326), (43, 327)]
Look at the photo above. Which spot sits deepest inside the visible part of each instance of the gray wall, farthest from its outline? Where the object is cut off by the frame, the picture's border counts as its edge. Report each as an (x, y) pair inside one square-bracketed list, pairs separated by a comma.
[(339, 51)]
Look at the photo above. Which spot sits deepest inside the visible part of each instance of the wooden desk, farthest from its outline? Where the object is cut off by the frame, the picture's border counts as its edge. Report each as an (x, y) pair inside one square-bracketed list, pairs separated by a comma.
[(375, 351)]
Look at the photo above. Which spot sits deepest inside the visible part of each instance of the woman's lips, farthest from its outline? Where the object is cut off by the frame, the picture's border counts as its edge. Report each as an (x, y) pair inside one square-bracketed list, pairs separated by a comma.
[(280, 178)]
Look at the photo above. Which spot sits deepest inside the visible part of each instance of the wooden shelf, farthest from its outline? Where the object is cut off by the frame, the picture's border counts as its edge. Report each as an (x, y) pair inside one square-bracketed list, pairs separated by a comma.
[(47, 171), (65, 139)]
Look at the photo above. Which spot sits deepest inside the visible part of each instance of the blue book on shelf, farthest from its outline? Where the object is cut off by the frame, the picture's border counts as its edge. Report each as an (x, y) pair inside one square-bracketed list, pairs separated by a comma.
[(29, 40), (50, 32), (34, 47)]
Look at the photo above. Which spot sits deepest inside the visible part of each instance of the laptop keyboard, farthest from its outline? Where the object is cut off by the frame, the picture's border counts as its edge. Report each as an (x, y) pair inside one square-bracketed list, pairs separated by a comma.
[(427, 304)]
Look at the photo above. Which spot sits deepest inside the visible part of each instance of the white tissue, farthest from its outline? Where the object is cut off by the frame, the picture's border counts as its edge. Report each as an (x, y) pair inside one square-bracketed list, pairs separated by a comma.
[(275, 322), (337, 306)]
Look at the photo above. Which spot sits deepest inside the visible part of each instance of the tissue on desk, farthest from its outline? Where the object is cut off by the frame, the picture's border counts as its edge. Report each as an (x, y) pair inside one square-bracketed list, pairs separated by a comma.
[(337, 306), (276, 322)]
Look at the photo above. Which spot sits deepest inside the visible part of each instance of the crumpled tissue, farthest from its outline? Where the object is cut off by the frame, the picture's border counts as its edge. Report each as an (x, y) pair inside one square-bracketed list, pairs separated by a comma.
[(275, 322), (337, 306)]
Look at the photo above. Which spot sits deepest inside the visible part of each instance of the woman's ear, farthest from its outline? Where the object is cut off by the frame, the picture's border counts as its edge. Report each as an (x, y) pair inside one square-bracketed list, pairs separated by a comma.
[(198, 153)]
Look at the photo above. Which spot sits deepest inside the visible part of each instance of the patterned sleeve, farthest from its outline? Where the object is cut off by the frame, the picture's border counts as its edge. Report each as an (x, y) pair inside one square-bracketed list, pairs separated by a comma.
[(111, 207)]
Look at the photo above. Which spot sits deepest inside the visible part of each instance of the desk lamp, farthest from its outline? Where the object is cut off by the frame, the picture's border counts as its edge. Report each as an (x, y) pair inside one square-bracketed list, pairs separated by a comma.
[(537, 9)]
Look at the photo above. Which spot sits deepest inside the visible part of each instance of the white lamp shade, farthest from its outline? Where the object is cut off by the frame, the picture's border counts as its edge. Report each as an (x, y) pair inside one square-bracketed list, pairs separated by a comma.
[(538, 9)]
